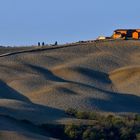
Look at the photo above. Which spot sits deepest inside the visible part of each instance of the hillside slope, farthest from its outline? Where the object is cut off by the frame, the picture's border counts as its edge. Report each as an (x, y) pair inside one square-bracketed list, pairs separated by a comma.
[(40, 83)]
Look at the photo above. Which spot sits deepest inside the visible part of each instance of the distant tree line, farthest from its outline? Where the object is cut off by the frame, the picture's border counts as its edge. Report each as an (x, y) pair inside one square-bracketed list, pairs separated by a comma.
[(43, 44)]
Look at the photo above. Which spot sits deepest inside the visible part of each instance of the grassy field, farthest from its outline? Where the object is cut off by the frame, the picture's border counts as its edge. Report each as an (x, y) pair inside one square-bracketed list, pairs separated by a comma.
[(38, 84)]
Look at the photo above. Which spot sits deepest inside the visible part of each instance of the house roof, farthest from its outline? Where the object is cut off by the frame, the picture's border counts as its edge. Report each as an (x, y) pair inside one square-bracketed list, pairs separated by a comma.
[(126, 30)]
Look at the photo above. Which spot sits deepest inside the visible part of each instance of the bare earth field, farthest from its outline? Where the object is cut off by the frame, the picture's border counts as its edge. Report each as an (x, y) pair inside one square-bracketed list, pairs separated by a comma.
[(39, 84)]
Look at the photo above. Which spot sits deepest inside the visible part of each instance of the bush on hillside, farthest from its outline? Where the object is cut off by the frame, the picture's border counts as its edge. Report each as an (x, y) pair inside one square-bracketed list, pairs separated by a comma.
[(138, 136), (82, 114), (103, 127), (71, 112), (73, 131)]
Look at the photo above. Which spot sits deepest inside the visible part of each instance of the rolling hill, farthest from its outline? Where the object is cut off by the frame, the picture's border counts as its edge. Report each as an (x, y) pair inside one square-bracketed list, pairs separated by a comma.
[(39, 83)]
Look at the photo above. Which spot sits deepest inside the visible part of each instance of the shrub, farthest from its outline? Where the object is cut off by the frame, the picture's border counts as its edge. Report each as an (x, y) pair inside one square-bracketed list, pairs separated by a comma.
[(93, 116), (71, 112), (105, 127), (73, 132), (126, 134), (110, 118), (117, 122), (137, 117), (138, 136), (82, 115), (89, 135)]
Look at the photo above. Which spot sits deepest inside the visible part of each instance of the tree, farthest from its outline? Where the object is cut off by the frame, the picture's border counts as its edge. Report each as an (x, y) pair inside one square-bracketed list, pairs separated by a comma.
[(138, 136), (43, 44), (73, 132), (56, 43), (137, 117), (82, 115), (38, 43), (90, 134), (71, 111), (126, 133)]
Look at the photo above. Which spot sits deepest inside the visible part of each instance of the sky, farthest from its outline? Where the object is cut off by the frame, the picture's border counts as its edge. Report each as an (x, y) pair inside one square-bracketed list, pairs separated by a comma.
[(26, 22)]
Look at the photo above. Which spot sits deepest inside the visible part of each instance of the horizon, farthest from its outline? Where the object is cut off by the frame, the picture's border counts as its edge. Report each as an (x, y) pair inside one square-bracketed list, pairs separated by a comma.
[(29, 22)]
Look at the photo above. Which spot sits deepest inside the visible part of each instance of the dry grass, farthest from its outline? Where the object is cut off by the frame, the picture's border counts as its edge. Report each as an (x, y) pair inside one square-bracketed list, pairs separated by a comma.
[(40, 83)]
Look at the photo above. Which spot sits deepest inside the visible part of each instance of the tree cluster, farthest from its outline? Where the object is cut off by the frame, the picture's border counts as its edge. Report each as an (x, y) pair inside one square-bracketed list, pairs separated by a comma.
[(109, 127)]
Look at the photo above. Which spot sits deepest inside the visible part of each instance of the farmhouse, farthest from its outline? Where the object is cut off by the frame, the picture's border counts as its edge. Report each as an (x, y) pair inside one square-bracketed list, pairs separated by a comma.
[(126, 33)]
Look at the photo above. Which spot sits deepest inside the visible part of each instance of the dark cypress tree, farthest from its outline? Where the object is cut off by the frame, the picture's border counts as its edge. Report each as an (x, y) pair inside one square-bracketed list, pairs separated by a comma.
[(43, 44), (56, 43), (38, 43)]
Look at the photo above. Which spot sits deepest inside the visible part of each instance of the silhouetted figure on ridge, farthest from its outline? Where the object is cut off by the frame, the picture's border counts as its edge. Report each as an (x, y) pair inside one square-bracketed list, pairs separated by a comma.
[(56, 43), (43, 44), (38, 43)]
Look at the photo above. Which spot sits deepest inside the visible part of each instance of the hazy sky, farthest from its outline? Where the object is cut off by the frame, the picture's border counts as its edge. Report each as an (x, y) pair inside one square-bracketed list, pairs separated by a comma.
[(25, 22)]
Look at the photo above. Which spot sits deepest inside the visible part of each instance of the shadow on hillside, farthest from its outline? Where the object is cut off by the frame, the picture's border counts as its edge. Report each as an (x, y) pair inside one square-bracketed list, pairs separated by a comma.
[(97, 75), (117, 103), (26, 110), (46, 73), (35, 113), (11, 124), (7, 92)]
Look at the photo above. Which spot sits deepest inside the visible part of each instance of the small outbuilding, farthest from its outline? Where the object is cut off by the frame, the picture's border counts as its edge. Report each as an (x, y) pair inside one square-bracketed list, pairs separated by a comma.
[(101, 38)]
